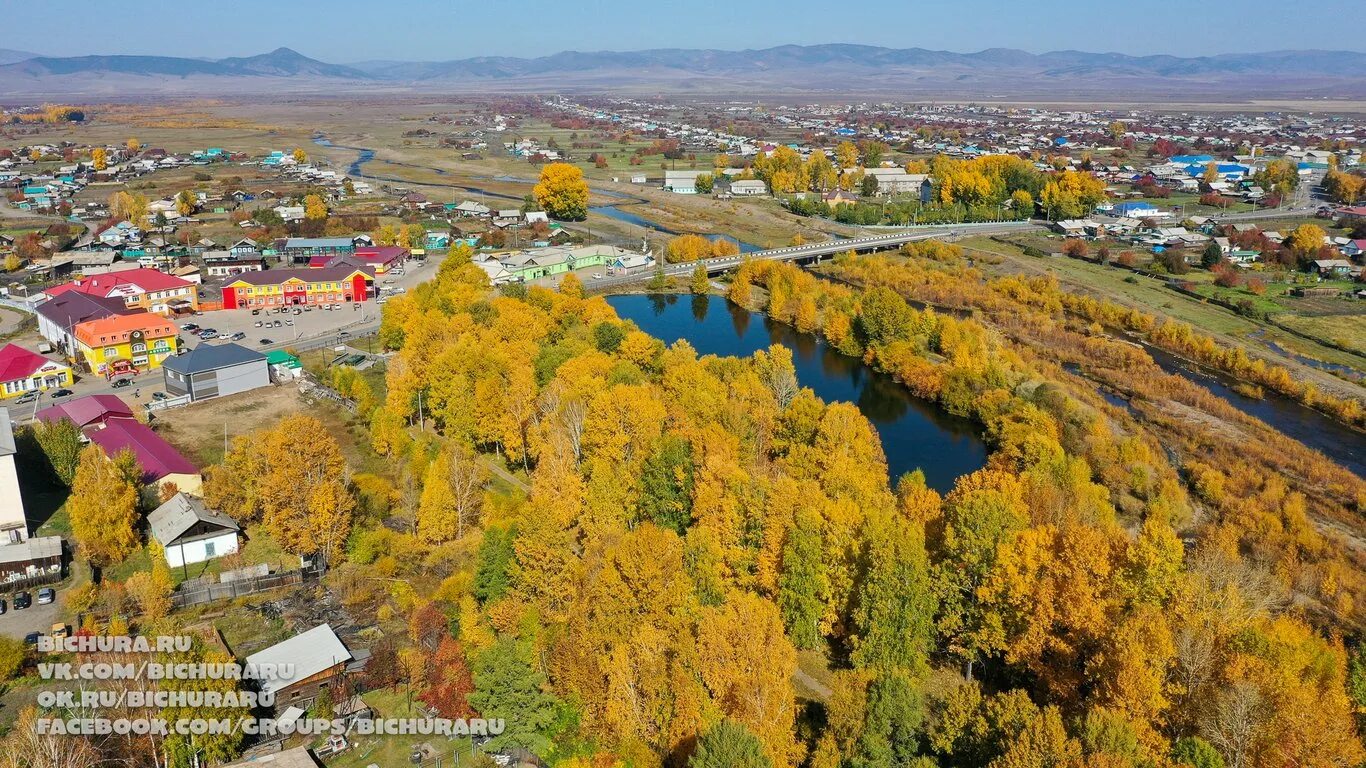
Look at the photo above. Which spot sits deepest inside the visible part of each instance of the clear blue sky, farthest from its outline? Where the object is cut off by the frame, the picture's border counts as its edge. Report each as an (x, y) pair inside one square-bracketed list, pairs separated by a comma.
[(342, 31)]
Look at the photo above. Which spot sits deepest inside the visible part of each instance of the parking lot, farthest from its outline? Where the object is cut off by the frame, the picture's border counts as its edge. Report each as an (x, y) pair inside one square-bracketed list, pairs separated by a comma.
[(35, 618)]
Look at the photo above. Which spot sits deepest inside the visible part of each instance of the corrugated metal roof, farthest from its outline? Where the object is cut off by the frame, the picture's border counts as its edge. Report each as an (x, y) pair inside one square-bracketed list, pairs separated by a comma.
[(310, 652), (172, 519), (209, 357), (39, 548)]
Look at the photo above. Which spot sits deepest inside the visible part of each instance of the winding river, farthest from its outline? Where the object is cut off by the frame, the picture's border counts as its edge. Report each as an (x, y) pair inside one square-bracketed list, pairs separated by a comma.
[(915, 433), (614, 211)]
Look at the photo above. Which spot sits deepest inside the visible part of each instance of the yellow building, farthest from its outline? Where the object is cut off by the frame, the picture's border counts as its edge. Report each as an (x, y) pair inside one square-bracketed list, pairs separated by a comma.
[(121, 344), (22, 371)]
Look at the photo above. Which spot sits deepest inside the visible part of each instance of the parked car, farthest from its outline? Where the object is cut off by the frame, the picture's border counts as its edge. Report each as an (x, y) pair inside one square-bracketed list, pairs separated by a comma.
[(159, 395), (121, 383), (190, 327), (32, 638), (256, 311), (289, 322), (3, 607), (238, 336), (258, 323), (46, 595), (27, 397), (22, 601), (61, 393), (225, 335), (266, 342)]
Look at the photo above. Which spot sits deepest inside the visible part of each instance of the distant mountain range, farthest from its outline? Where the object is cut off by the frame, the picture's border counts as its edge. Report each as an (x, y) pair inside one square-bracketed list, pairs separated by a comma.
[(788, 69)]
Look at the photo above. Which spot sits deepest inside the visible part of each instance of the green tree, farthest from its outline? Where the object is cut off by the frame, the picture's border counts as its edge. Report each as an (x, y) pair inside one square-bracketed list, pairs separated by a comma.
[(729, 744), (61, 445), (666, 485), (1211, 255), (704, 183), (508, 685), (893, 720), (803, 587), (868, 187), (884, 316), (493, 565), (894, 618), (1195, 752)]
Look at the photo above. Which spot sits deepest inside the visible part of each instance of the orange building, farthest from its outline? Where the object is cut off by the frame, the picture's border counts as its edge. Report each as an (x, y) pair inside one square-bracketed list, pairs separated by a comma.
[(121, 344)]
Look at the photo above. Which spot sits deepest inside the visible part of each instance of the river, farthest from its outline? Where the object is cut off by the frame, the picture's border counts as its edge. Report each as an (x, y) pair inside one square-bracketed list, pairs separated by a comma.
[(1319, 431), (915, 433), (357, 169)]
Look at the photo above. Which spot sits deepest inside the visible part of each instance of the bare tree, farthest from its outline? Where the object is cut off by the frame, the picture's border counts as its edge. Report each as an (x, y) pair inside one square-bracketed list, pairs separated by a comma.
[(1235, 722), (467, 487)]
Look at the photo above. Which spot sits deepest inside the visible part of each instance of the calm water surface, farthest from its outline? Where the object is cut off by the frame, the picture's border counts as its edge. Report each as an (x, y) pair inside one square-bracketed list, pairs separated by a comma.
[(915, 433)]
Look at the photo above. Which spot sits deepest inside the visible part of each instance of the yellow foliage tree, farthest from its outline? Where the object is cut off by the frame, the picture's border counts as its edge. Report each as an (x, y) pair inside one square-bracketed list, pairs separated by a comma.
[(562, 192)]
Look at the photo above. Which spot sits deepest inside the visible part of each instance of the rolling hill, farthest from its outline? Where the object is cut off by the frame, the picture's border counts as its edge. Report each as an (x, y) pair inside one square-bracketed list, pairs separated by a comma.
[(833, 68)]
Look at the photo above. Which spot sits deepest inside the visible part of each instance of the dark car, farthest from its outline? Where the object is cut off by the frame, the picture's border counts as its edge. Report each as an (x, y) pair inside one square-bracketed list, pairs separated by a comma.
[(121, 383), (3, 607), (46, 595), (61, 393), (32, 638), (22, 601), (159, 395), (266, 342)]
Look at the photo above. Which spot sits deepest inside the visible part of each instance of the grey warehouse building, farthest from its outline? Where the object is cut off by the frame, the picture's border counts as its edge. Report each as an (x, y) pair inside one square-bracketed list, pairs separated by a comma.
[(211, 370)]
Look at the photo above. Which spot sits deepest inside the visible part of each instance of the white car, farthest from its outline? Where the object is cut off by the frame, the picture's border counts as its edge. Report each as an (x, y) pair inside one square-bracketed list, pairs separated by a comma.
[(597, 276), (225, 335)]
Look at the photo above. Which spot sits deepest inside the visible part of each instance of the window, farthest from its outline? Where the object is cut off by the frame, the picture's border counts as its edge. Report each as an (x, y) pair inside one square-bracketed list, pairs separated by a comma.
[(139, 347), (208, 549), (110, 353)]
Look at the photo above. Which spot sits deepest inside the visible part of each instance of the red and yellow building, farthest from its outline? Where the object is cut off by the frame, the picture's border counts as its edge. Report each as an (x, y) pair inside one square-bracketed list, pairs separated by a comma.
[(297, 287)]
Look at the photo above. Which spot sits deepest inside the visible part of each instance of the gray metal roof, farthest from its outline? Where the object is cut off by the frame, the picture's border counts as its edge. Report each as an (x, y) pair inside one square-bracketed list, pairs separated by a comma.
[(210, 357), (310, 652), (39, 548), (180, 513)]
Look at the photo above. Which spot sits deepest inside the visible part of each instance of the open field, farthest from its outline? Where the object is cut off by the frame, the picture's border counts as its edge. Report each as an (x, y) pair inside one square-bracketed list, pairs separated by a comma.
[(1152, 295)]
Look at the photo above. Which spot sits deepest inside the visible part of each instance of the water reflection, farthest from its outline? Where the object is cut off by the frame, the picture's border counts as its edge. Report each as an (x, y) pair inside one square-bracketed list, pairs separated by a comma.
[(914, 433)]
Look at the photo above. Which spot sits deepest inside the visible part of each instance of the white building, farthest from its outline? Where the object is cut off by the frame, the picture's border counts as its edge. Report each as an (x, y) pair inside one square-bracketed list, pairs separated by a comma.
[(682, 182), (748, 187), (190, 532), (13, 523)]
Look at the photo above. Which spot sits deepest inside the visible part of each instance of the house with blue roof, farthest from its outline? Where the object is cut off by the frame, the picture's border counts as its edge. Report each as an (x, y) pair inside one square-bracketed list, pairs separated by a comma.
[(1189, 159), (1134, 209)]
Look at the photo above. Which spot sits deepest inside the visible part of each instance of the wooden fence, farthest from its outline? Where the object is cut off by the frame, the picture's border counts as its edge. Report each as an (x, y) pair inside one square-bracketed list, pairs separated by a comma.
[(208, 593)]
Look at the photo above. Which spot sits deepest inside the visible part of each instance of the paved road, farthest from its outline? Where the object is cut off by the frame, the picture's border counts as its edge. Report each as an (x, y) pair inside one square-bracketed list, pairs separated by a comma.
[(812, 250)]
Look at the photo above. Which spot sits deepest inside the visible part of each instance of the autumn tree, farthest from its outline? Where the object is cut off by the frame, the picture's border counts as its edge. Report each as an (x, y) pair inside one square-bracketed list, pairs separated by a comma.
[(186, 202), (99, 158), (1305, 241), (103, 509), (701, 282), (315, 208), (299, 155), (294, 479), (449, 683), (452, 495), (562, 192), (133, 146)]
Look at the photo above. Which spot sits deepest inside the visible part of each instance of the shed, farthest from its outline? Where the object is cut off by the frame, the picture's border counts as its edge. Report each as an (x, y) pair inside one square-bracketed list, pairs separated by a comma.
[(211, 370)]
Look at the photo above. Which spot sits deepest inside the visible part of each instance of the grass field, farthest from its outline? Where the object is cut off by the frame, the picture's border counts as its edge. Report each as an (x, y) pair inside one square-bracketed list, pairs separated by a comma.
[(1152, 295)]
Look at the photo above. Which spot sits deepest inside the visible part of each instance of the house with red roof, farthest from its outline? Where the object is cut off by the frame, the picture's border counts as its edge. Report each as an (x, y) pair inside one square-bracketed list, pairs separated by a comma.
[(296, 287), (160, 462), (85, 411), (145, 289), (22, 371)]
